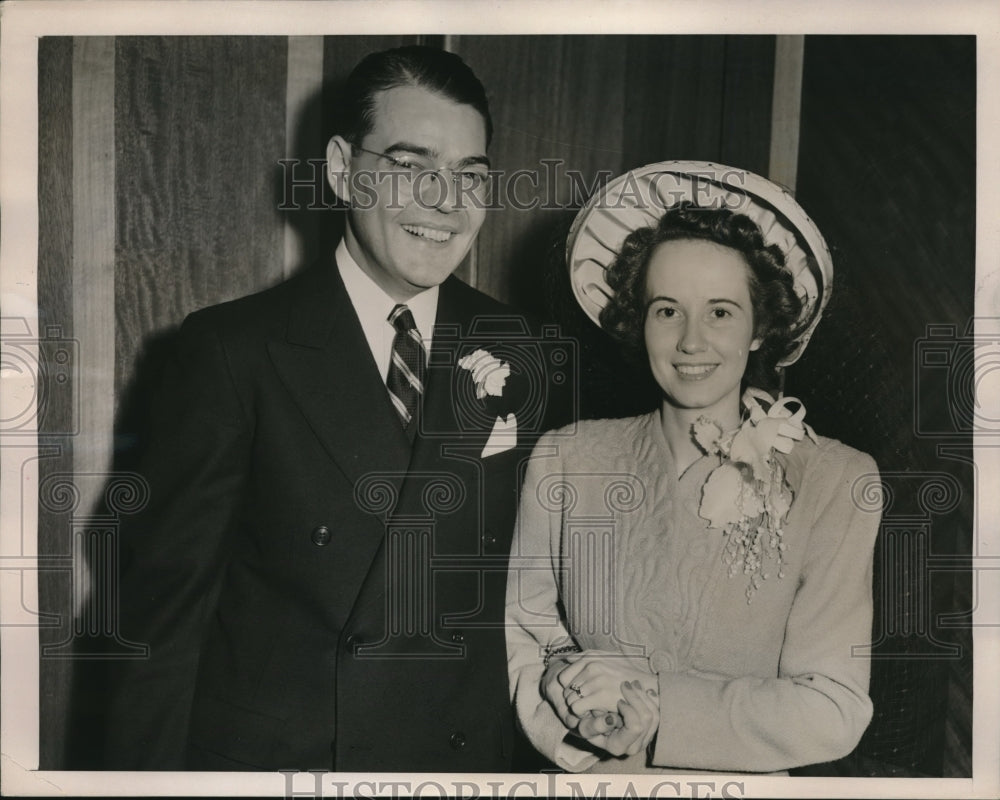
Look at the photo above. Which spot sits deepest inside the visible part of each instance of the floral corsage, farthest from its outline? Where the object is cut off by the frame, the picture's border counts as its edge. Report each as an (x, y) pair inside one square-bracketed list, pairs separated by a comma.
[(489, 373), (747, 495)]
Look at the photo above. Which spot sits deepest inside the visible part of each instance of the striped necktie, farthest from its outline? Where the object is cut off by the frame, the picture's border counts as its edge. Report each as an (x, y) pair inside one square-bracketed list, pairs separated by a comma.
[(405, 380)]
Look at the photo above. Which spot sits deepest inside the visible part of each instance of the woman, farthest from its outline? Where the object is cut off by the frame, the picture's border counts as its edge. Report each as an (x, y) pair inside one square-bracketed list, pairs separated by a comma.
[(688, 588)]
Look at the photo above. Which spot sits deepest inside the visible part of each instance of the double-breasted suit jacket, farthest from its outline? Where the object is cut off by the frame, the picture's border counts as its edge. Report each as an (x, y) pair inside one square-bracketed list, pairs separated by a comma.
[(317, 592)]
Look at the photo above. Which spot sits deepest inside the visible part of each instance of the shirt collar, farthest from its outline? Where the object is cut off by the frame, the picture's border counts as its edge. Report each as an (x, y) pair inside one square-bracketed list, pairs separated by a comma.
[(373, 305)]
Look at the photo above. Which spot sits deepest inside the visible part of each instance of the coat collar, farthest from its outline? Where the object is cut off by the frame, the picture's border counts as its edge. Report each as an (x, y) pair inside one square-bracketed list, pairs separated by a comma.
[(326, 364)]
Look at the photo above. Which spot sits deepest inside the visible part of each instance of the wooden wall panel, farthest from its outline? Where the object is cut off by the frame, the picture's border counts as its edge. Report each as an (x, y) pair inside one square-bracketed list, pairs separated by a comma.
[(699, 97), (556, 98), (94, 246), (674, 98), (55, 310), (200, 129), (55, 192)]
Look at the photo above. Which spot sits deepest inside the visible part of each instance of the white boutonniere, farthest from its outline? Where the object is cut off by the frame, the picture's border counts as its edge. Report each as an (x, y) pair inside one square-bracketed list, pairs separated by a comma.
[(489, 377), (489, 374), (747, 495)]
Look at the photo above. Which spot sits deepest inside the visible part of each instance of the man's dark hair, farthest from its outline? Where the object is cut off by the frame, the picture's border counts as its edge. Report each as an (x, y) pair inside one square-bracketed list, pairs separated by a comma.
[(776, 307), (414, 65)]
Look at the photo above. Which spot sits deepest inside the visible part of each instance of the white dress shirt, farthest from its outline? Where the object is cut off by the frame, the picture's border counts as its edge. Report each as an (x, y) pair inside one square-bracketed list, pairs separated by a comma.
[(373, 307)]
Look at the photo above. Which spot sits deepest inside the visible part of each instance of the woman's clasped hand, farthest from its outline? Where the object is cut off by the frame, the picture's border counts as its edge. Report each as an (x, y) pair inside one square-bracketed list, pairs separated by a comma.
[(608, 699)]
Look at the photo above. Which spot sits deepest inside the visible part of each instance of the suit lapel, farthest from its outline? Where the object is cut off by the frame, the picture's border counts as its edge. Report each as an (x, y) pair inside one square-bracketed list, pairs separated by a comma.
[(445, 440), (327, 366)]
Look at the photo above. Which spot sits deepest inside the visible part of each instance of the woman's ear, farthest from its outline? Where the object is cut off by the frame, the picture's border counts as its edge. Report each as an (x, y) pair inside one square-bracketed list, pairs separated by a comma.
[(338, 167), (755, 344)]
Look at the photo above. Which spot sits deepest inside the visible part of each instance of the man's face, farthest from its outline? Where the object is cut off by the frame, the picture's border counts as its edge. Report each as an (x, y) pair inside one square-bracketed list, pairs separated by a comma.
[(410, 234)]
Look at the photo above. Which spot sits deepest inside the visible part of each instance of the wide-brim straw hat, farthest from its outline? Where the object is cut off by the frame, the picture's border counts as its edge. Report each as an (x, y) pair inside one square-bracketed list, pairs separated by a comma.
[(640, 197)]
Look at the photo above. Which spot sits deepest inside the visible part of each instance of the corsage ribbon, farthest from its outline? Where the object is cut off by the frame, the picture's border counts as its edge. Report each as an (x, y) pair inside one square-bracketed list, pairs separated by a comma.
[(746, 495)]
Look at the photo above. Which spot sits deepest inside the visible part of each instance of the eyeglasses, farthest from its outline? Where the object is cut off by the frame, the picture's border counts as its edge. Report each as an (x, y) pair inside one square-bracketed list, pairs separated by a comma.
[(414, 170)]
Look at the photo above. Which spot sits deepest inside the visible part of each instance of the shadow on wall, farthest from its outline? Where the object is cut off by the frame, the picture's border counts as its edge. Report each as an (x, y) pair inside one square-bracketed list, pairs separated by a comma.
[(313, 215)]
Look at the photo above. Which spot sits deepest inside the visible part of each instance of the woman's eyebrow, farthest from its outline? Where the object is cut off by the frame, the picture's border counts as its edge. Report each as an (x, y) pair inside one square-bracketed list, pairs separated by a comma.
[(726, 300), (711, 300)]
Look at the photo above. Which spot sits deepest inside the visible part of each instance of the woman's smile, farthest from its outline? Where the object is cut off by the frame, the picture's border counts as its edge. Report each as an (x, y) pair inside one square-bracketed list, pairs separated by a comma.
[(699, 326), (695, 372)]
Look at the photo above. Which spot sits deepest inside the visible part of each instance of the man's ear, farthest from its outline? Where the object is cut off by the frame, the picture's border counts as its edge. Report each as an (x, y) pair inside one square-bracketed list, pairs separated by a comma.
[(338, 167)]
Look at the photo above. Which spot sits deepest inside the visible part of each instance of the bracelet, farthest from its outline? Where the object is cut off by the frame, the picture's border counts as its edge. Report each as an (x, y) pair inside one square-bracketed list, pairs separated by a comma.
[(552, 652)]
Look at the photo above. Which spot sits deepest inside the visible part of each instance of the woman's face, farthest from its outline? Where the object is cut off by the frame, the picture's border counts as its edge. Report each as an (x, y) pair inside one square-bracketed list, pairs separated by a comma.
[(699, 326)]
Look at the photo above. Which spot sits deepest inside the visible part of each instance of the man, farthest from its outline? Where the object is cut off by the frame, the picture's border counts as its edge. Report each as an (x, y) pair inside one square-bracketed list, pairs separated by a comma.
[(320, 573)]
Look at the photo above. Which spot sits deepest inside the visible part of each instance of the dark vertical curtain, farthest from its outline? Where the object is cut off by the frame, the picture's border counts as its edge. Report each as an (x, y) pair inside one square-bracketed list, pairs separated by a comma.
[(887, 169)]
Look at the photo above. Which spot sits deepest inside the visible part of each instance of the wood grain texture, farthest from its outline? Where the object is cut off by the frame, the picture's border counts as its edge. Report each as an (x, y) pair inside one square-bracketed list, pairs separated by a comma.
[(55, 195), (200, 127), (675, 92), (56, 415), (94, 249), (557, 106)]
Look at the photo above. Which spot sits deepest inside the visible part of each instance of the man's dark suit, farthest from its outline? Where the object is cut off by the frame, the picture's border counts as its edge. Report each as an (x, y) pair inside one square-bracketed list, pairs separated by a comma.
[(317, 593)]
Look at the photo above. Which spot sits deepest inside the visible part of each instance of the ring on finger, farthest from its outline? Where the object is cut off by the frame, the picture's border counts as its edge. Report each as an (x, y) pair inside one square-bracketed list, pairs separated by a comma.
[(575, 687)]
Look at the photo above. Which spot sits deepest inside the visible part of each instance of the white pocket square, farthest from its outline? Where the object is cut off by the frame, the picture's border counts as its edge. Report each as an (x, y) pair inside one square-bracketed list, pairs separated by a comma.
[(502, 437)]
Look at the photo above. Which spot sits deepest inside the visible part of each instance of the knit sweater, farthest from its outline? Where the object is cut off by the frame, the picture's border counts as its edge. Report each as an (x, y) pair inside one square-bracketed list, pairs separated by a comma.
[(611, 553)]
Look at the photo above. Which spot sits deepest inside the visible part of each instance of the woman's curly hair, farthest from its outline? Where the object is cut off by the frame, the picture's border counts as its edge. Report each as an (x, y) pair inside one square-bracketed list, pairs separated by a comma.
[(776, 307)]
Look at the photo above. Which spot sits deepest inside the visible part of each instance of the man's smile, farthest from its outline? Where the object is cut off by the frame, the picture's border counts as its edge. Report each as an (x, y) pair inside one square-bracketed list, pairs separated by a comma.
[(424, 232)]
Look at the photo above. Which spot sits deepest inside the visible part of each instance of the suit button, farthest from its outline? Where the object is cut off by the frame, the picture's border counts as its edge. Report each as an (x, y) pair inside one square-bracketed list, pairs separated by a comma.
[(321, 536), (458, 637), (457, 741)]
